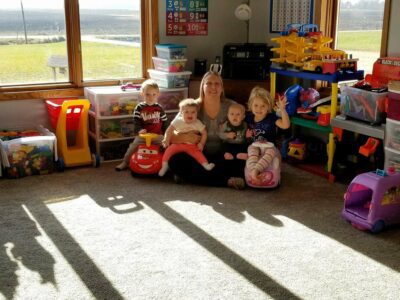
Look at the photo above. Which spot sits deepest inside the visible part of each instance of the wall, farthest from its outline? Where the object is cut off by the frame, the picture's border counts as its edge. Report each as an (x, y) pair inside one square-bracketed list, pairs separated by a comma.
[(23, 114), (225, 28)]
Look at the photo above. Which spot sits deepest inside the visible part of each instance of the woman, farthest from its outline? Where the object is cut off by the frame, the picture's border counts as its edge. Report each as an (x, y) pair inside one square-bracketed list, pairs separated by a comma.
[(213, 112)]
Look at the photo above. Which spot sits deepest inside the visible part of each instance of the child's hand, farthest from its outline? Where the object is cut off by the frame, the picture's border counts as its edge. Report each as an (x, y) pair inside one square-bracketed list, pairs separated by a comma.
[(282, 103), (231, 135), (249, 133), (142, 131), (200, 146), (165, 143)]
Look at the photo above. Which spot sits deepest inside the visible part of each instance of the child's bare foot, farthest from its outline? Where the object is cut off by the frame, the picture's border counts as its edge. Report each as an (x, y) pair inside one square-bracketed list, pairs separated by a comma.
[(122, 166), (228, 156), (242, 156), (208, 166)]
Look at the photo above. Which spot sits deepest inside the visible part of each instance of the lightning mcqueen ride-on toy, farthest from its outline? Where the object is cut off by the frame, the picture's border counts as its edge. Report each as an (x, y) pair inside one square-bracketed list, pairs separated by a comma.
[(148, 157)]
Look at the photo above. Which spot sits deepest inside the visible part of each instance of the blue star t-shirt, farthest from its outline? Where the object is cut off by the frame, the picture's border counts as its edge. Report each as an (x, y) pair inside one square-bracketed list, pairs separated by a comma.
[(264, 130)]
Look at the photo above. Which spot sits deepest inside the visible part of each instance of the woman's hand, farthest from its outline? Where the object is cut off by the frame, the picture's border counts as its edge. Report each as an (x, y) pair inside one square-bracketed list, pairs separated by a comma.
[(191, 137)]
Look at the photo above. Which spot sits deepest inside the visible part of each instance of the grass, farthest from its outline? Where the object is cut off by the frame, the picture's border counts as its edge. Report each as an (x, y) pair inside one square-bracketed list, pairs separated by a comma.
[(359, 40), (28, 63)]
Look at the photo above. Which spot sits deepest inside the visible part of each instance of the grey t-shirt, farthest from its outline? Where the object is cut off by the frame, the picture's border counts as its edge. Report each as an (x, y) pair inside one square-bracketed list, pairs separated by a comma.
[(214, 142)]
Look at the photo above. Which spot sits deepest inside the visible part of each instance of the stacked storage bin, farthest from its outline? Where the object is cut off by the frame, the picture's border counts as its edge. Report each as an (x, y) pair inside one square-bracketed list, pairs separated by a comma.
[(170, 66), (392, 129)]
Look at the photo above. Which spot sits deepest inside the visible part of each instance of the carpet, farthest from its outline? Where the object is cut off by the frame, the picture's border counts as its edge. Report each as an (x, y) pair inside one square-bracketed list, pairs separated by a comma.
[(92, 233)]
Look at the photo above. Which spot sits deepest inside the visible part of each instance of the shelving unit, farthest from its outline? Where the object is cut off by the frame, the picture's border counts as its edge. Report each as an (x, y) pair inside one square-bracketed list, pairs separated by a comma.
[(333, 79), (111, 121)]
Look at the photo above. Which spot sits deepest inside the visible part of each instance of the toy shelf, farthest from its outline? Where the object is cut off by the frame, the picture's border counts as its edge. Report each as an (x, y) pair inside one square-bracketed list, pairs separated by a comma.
[(309, 124), (333, 79), (359, 127)]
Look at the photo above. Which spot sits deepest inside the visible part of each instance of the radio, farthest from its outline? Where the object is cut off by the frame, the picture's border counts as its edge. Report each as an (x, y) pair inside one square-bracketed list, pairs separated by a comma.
[(246, 61)]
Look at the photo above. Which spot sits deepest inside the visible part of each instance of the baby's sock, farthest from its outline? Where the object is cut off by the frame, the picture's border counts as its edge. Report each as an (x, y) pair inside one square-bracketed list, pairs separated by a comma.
[(208, 166), (164, 169)]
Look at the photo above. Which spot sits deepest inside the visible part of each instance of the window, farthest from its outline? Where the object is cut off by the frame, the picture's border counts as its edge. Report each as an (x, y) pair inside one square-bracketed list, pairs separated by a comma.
[(65, 45), (359, 27), (359, 30), (110, 39), (33, 42)]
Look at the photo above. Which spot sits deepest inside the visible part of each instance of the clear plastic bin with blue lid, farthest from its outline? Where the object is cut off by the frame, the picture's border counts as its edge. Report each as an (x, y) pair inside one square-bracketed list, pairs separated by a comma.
[(171, 51)]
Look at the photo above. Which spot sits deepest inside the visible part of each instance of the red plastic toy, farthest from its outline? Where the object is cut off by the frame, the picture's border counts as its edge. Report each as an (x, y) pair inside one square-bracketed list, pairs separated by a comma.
[(148, 158)]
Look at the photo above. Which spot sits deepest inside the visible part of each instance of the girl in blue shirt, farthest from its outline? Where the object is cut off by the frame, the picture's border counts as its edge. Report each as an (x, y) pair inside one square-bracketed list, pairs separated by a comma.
[(262, 130)]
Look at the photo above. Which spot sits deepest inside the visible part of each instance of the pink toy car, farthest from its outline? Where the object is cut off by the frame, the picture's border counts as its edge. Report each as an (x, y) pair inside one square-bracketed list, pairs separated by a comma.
[(271, 177), (130, 86), (372, 201)]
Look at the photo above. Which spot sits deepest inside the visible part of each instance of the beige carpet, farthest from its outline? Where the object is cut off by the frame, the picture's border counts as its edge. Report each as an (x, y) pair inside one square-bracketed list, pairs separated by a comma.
[(99, 234)]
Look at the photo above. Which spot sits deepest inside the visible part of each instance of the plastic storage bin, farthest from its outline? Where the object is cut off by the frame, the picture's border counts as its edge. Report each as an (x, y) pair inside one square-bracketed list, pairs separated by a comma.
[(169, 65), (392, 159), (363, 105), (170, 80), (112, 101), (169, 99), (116, 128), (392, 134), (32, 155), (171, 51)]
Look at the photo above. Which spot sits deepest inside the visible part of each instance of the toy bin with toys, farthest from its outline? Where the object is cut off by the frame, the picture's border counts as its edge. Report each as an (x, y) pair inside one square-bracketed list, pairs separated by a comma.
[(170, 80), (372, 200), (169, 65), (112, 101), (171, 51), (362, 104), (29, 152)]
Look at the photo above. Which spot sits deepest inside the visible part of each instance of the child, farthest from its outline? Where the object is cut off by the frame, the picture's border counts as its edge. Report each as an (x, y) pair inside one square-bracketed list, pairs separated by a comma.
[(233, 133), (185, 121), (262, 124), (148, 117)]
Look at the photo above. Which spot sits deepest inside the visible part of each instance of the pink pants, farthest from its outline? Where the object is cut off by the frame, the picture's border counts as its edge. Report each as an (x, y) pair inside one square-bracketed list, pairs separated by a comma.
[(190, 149)]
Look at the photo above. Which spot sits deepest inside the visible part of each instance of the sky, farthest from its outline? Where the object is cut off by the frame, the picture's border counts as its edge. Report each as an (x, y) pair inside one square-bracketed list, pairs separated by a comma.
[(59, 4)]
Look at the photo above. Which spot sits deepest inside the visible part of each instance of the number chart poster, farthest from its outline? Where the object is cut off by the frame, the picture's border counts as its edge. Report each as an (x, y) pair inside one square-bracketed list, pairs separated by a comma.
[(187, 17)]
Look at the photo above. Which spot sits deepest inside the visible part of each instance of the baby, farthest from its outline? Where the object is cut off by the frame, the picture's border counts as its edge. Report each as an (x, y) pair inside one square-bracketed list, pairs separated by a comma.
[(233, 133), (185, 121)]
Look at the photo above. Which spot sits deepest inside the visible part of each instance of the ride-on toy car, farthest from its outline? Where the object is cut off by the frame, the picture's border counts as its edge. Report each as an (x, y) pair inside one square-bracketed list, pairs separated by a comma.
[(270, 177), (148, 157), (372, 200)]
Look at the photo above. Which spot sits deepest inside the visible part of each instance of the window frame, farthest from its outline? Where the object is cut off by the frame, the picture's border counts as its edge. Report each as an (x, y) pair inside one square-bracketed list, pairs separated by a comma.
[(149, 37)]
